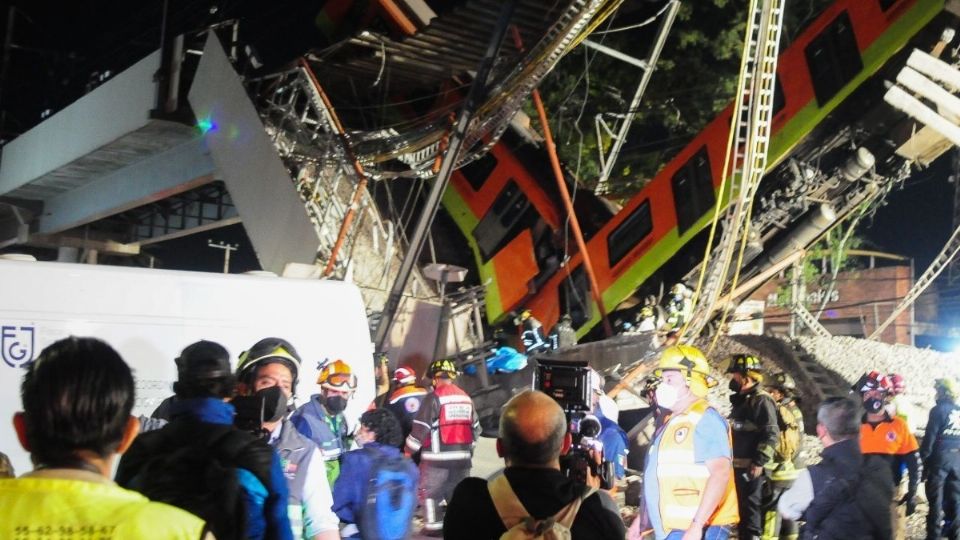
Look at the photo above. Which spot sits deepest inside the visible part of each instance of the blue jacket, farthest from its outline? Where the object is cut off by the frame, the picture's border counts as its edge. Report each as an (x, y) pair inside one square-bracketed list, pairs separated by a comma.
[(350, 490), (614, 441), (266, 505)]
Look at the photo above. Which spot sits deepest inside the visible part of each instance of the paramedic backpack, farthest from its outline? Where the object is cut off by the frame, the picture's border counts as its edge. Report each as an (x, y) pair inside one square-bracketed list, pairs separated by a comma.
[(788, 444), (520, 525), (391, 497)]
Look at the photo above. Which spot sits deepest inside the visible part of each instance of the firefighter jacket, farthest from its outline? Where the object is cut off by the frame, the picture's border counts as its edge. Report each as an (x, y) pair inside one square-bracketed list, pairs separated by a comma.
[(405, 403), (755, 431), (681, 479), (445, 429), (943, 430)]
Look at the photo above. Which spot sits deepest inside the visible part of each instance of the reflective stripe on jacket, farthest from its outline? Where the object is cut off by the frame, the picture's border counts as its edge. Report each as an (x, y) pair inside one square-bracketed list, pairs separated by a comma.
[(682, 480), (446, 427)]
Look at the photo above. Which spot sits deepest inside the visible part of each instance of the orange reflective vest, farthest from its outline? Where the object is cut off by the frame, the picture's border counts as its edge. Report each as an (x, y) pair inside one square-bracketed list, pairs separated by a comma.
[(682, 480)]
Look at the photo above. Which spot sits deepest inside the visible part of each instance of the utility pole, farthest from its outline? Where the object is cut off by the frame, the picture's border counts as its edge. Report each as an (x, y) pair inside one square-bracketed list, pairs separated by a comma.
[(227, 248)]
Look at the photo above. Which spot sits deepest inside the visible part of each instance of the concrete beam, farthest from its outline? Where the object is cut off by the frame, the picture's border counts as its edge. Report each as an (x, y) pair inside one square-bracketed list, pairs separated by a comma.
[(117, 107), (258, 182), (179, 169)]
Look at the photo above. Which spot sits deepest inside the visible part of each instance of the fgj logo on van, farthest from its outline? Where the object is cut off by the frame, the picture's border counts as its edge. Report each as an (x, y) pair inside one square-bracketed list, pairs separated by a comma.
[(16, 344)]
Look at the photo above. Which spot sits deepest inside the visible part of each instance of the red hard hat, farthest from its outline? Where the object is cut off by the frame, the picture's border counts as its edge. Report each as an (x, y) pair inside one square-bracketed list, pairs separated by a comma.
[(405, 375)]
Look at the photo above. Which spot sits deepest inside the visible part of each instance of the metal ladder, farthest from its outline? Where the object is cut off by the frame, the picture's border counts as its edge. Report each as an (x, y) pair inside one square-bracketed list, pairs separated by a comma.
[(747, 151), (947, 254), (810, 321)]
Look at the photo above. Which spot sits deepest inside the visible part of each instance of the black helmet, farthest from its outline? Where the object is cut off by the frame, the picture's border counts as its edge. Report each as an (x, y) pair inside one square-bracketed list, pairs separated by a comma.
[(267, 351), (203, 360), (742, 363)]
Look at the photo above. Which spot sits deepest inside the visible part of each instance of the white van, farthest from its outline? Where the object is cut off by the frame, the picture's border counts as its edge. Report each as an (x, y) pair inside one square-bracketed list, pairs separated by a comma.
[(149, 316)]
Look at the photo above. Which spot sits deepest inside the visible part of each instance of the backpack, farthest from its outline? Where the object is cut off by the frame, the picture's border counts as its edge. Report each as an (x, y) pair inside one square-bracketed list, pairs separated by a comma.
[(391, 497), (788, 445), (198, 478), (521, 525)]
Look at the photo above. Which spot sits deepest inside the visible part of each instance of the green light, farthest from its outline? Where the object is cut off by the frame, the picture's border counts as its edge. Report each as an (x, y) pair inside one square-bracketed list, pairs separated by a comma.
[(206, 125)]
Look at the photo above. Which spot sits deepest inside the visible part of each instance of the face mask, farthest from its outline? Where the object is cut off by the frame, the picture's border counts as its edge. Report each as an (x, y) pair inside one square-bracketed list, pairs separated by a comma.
[(873, 405), (335, 404), (667, 396), (274, 403), (735, 385)]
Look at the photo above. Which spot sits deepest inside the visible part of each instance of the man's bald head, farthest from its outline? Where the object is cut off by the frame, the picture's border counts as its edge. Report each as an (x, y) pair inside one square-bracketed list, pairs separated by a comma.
[(532, 429)]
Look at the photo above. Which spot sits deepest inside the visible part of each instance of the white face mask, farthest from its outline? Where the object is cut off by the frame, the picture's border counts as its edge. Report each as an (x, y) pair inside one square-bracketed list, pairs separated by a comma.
[(667, 396)]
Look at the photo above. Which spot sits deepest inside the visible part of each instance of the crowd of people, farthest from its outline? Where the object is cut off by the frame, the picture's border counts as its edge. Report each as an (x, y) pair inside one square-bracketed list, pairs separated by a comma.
[(230, 456)]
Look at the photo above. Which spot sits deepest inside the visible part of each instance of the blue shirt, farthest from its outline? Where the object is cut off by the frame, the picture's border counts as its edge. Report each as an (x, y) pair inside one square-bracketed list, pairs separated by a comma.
[(710, 441)]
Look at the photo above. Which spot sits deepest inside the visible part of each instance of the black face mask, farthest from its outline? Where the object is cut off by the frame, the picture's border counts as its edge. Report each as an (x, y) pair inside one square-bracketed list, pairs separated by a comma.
[(335, 404), (873, 405), (274, 403), (735, 386)]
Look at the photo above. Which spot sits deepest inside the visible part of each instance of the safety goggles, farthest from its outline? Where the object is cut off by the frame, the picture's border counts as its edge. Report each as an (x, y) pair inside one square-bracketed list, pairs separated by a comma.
[(341, 379)]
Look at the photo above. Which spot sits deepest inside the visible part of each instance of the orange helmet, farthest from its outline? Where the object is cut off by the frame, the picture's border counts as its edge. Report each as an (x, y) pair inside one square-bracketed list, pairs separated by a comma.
[(337, 375)]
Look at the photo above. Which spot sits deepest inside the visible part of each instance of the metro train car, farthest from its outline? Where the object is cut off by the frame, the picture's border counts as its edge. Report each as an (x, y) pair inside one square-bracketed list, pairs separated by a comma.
[(828, 78)]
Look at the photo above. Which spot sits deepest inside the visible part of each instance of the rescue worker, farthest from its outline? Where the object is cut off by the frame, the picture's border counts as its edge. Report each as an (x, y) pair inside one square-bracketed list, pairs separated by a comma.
[(679, 306), (563, 335), (940, 451), (406, 399), (782, 469), (649, 317), (272, 366), (532, 333), (612, 436), (890, 438), (688, 479), (321, 419), (441, 441), (755, 437)]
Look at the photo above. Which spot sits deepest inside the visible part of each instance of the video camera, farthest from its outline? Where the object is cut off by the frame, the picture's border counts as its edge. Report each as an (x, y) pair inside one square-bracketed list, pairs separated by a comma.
[(568, 382)]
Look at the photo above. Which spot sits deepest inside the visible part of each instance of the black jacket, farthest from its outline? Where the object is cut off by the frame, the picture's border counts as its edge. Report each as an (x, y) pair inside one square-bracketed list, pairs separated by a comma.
[(943, 431), (754, 423), (471, 514), (851, 496)]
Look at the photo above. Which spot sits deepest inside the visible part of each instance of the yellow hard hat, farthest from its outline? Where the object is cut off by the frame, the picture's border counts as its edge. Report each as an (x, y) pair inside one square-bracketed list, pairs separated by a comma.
[(690, 362)]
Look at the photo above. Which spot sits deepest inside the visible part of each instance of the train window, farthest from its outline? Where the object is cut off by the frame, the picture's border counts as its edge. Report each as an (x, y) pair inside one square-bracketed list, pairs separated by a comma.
[(629, 233), (779, 99), (476, 172), (887, 4), (833, 58), (575, 297), (693, 193), (510, 213)]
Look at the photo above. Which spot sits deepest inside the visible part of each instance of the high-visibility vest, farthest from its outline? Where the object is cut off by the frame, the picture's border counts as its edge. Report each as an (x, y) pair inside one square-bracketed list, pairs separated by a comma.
[(682, 480), (33, 507)]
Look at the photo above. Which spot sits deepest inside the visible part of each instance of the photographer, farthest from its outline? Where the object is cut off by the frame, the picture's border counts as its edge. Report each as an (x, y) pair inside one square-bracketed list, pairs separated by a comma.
[(533, 435), (267, 375)]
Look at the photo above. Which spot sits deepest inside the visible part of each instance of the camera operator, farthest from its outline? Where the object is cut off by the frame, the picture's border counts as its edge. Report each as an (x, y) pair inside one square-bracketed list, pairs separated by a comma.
[(533, 435)]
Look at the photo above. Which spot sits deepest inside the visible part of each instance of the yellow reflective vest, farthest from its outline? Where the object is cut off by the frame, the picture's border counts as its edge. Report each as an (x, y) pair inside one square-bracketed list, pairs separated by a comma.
[(682, 480), (80, 505)]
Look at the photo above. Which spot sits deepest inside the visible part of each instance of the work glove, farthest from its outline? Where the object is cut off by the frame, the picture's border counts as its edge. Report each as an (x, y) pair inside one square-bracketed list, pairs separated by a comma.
[(911, 501)]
